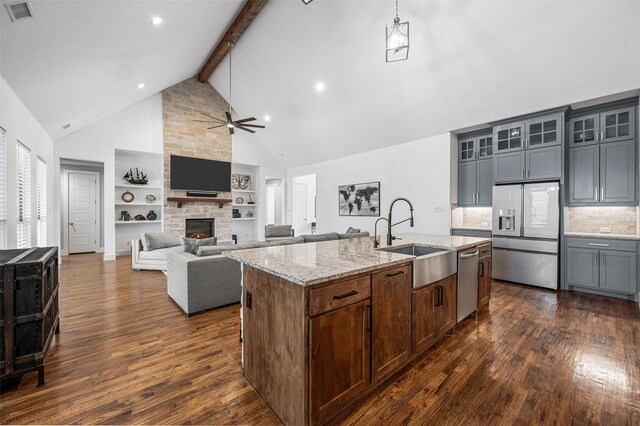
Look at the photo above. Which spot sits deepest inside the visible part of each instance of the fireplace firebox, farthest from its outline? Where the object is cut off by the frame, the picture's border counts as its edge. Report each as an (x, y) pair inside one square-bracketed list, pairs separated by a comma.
[(200, 228)]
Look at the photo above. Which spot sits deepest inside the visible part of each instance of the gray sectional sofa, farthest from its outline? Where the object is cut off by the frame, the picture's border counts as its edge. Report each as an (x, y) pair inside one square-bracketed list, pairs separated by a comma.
[(209, 279)]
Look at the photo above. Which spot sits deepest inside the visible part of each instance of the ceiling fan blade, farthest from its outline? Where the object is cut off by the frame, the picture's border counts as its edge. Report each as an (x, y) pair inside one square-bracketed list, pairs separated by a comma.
[(244, 120), (231, 130), (245, 129), (259, 126), (228, 114), (215, 127), (211, 116), (203, 121)]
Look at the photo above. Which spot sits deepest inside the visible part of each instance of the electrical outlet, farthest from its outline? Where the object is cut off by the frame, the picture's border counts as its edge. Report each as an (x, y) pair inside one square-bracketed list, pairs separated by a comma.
[(605, 229), (484, 224)]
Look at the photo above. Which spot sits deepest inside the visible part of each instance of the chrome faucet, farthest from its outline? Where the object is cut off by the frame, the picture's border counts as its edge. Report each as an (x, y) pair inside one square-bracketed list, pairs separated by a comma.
[(390, 223)]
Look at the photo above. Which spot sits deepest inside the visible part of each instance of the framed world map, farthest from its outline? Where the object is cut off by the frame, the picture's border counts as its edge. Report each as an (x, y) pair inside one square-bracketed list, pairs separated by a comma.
[(359, 199)]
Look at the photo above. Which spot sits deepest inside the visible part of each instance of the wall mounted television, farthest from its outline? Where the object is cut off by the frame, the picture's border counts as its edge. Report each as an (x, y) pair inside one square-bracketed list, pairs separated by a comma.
[(197, 174)]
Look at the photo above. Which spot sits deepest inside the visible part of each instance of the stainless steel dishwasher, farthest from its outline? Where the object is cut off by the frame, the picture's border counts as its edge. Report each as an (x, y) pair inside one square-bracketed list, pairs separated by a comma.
[(467, 283)]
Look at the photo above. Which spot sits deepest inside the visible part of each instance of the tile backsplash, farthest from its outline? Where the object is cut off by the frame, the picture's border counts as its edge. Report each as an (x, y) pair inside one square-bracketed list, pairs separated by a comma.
[(471, 217), (599, 220)]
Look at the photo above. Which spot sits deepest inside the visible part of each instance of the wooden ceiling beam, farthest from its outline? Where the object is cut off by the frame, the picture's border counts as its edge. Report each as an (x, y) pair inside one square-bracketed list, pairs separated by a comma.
[(239, 25)]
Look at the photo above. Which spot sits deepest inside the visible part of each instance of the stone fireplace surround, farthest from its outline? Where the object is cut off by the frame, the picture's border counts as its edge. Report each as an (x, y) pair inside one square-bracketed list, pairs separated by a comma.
[(181, 105)]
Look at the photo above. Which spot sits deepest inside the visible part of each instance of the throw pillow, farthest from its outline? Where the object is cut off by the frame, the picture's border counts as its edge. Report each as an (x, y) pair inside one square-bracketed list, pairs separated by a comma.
[(191, 245), (158, 240), (352, 230)]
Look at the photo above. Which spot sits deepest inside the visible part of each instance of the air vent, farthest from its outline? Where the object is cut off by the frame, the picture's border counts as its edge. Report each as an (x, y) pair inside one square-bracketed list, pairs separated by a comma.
[(19, 10)]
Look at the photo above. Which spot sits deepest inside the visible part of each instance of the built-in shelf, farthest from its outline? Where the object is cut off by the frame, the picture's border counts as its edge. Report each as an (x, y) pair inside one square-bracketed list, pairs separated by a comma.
[(133, 203), (181, 200), (131, 222), (128, 185), (243, 205), (244, 218)]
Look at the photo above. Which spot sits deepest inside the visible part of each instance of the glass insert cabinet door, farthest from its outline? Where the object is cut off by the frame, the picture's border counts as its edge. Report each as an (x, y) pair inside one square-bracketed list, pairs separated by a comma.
[(617, 125), (485, 146), (584, 130), (544, 131), (509, 137), (467, 149)]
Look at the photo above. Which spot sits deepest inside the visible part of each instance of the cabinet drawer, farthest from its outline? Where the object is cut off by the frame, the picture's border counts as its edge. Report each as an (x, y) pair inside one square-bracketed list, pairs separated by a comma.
[(484, 250), (602, 244), (338, 295)]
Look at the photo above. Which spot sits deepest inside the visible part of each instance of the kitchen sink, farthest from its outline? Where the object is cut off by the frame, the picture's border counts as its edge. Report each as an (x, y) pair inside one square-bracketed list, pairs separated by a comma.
[(431, 263)]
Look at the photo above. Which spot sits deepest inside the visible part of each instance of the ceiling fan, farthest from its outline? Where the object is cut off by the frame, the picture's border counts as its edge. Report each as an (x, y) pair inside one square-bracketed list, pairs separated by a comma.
[(229, 122)]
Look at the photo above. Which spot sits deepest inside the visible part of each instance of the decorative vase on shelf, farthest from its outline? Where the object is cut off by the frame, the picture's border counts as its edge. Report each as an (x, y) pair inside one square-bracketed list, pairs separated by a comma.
[(152, 215)]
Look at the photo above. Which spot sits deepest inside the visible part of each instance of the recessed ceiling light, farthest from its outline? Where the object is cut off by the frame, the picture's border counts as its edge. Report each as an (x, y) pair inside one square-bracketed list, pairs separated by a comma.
[(141, 86), (156, 20), (267, 118), (319, 86)]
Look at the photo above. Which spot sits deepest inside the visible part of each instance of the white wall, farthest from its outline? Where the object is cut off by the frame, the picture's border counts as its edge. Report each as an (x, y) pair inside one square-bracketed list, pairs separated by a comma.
[(419, 170), (21, 126), (248, 149), (138, 128)]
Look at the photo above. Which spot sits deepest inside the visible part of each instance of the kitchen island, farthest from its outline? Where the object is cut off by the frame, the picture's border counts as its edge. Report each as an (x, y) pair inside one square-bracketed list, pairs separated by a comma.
[(326, 323)]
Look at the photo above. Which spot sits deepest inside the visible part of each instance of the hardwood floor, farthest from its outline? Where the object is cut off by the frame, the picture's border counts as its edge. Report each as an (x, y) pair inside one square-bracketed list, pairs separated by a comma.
[(126, 354)]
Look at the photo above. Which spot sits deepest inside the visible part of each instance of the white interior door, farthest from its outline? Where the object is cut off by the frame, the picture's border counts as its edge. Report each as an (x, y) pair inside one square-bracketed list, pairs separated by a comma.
[(300, 208), (82, 212)]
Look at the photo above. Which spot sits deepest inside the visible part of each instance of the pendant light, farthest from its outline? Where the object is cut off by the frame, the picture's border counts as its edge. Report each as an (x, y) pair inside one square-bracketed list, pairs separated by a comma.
[(397, 39)]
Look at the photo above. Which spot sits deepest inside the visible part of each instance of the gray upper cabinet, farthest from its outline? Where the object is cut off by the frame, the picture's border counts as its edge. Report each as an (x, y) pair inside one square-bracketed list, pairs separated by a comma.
[(467, 183), (509, 167), (584, 175), (603, 173), (508, 137), (618, 172), (467, 149), (610, 126), (584, 130), (485, 147), (618, 125), (475, 170), (544, 163), (544, 131), (484, 197)]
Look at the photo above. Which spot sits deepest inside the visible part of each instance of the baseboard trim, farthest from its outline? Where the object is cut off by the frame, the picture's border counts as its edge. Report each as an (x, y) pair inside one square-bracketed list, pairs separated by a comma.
[(108, 256), (123, 252)]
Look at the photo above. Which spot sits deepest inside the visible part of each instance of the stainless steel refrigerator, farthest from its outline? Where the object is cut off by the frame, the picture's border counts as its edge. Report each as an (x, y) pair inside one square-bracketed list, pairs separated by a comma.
[(526, 228)]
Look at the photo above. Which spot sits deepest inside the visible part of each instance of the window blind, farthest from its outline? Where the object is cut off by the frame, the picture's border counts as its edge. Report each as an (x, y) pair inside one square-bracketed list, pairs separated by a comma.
[(24, 197), (3, 190), (42, 203)]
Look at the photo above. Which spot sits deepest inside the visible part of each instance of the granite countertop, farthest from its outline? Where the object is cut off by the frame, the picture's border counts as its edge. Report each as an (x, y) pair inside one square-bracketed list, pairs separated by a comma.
[(313, 263), (600, 235), (471, 228)]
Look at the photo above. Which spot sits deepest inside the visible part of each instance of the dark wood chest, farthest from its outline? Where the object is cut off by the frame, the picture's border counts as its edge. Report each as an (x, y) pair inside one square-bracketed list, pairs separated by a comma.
[(29, 315)]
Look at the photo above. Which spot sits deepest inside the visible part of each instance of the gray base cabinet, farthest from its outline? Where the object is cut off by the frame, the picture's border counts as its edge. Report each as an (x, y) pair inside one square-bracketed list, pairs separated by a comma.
[(607, 265)]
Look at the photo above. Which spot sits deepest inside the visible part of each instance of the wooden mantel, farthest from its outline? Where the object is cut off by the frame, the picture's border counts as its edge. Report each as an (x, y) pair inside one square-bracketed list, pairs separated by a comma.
[(180, 200)]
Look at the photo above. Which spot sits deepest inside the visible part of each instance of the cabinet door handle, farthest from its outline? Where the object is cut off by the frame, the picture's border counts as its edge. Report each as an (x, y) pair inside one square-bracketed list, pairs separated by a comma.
[(601, 256), (437, 295), (523, 176), (602, 193), (441, 295), (368, 327), (344, 296), (481, 267), (599, 244), (395, 274), (595, 259), (528, 173), (596, 194), (601, 136)]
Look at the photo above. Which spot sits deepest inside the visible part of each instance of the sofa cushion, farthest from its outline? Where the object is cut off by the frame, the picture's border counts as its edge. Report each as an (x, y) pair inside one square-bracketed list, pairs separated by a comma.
[(351, 230), (348, 235), (321, 237), (217, 250), (159, 240), (277, 231), (158, 254), (191, 245)]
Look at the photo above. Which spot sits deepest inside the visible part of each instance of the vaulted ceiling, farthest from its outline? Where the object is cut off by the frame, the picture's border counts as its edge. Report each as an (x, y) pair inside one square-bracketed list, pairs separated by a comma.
[(470, 62)]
